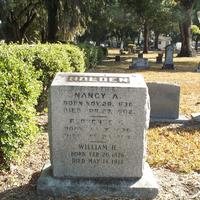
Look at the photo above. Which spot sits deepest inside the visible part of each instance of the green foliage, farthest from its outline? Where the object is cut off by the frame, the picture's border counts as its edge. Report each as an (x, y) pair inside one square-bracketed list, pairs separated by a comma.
[(47, 60), (195, 30), (93, 54), (26, 71), (102, 52), (52, 58), (19, 90)]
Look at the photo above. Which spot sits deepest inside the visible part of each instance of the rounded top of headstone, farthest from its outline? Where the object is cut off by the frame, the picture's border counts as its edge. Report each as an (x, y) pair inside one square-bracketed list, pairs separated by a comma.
[(170, 46)]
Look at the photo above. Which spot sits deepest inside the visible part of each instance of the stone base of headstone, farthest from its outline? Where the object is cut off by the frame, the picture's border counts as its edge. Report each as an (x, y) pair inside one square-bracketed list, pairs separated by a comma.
[(180, 120), (143, 188), (196, 117), (168, 66)]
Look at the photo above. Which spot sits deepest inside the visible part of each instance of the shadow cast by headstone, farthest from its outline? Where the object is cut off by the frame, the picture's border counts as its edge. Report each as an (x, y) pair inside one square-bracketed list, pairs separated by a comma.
[(180, 66), (29, 192), (189, 126), (26, 192)]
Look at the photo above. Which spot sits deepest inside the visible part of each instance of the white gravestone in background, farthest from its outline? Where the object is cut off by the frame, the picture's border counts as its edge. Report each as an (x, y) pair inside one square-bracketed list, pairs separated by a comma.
[(169, 55), (139, 63)]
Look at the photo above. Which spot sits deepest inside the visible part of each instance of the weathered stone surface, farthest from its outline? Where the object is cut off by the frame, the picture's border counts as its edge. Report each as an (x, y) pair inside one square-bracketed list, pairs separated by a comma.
[(164, 100), (143, 188), (139, 63), (169, 56), (97, 125)]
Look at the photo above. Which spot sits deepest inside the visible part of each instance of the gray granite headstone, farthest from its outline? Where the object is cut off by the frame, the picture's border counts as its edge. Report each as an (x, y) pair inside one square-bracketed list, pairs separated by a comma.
[(159, 58), (97, 125), (198, 68), (97, 128), (169, 55), (139, 63), (164, 100)]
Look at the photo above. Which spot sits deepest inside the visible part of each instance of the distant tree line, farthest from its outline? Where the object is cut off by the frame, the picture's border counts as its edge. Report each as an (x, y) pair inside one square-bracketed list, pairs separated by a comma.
[(98, 20)]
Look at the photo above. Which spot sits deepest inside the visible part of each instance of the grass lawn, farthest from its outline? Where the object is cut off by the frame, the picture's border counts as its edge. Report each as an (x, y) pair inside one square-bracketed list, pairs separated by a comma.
[(176, 147)]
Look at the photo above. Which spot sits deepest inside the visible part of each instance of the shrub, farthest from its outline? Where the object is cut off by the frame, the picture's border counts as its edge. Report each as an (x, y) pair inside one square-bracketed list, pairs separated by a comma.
[(105, 51), (19, 90), (52, 58), (90, 55), (48, 59), (26, 71), (102, 52), (93, 54)]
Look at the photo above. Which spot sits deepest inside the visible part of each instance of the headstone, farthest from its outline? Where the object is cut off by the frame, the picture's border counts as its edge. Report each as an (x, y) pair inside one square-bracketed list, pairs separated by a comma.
[(139, 63), (97, 125), (159, 58), (164, 102), (140, 55), (122, 51), (117, 58), (132, 48), (169, 53), (198, 68)]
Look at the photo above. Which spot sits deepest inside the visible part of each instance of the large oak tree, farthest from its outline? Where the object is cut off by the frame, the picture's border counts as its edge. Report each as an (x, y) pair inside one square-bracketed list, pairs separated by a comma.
[(16, 18), (186, 7)]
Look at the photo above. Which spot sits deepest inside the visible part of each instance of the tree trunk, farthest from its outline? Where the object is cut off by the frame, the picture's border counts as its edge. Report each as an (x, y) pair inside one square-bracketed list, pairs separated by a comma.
[(156, 40), (185, 29), (43, 35), (52, 20), (196, 42), (138, 40), (146, 37)]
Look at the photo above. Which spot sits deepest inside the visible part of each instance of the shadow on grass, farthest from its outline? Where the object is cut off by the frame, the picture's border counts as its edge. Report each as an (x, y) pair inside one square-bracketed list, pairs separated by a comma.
[(109, 64), (24, 192), (189, 126)]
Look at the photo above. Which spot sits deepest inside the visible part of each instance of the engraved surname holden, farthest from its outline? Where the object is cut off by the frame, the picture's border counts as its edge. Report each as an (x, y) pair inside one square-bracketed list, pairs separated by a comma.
[(101, 79)]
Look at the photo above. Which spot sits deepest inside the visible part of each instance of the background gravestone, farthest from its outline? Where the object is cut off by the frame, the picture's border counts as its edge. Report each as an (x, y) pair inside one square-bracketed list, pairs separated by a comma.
[(164, 100), (139, 63), (198, 67), (140, 55), (159, 58), (97, 125), (169, 55)]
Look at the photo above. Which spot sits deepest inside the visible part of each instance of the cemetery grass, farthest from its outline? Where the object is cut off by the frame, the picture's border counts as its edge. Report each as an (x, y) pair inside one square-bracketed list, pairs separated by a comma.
[(173, 150), (176, 147)]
